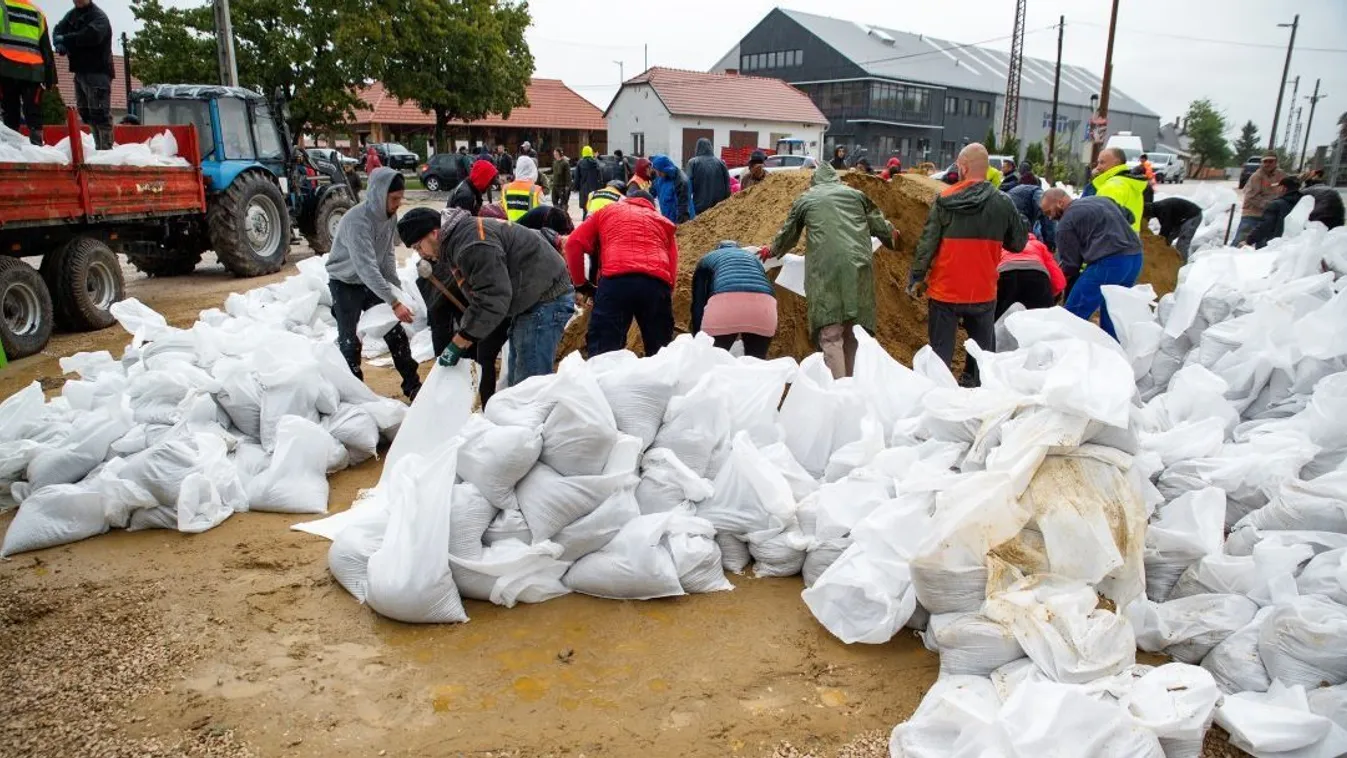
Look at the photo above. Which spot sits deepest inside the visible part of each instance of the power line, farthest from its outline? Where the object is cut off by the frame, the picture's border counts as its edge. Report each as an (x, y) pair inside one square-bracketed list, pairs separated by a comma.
[(1211, 41)]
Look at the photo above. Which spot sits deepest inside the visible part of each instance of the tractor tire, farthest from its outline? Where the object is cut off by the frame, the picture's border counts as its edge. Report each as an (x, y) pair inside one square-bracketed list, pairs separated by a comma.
[(249, 226), (26, 313), (331, 208), (164, 265), (88, 281)]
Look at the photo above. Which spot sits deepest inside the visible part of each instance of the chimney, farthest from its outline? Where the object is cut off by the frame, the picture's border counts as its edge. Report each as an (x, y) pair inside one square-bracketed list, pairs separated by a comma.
[(731, 72)]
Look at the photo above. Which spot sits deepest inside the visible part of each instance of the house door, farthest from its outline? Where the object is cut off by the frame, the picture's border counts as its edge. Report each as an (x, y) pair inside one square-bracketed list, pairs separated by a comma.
[(690, 137)]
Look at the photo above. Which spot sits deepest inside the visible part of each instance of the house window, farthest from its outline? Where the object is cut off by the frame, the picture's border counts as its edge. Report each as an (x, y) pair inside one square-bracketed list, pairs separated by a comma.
[(946, 152), (638, 143), (967, 107), (984, 109), (951, 106)]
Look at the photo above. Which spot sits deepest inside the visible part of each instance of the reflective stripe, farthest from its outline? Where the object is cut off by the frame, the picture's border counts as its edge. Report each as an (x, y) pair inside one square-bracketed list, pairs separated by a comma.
[(520, 198), (21, 33), (20, 55)]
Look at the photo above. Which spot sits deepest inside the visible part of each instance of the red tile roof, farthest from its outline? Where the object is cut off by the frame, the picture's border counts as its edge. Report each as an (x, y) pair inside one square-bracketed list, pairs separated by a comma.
[(65, 83), (695, 93), (552, 105)]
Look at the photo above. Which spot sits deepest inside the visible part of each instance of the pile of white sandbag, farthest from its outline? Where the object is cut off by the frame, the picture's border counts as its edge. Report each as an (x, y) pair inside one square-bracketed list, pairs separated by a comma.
[(159, 150), (248, 409)]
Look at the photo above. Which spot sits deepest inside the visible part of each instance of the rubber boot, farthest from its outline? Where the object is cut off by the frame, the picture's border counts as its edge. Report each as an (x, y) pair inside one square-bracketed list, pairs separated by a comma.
[(103, 137), (35, 137)]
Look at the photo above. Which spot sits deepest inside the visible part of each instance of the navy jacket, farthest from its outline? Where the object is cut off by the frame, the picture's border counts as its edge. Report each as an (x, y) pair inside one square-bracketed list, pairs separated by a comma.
[(1091, 229)]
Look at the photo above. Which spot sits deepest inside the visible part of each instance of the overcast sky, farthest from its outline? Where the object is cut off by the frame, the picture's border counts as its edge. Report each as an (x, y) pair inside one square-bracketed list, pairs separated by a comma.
[(1168, 52)]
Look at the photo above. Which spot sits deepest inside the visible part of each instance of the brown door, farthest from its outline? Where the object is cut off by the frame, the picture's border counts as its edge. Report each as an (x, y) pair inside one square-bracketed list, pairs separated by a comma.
[(744, 139), (690, 137)]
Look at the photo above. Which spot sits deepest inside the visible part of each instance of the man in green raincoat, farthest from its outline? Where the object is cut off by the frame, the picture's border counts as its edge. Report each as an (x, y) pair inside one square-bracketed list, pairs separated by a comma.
[(838, 276)]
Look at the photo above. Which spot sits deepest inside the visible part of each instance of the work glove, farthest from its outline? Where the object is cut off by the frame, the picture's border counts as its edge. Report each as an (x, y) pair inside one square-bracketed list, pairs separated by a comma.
[(58, 44), (451, 354), (916, 287), (764, 253)]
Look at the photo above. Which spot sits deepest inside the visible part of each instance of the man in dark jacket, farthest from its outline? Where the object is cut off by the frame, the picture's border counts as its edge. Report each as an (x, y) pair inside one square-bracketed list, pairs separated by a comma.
[(1328, 208), (506, 272), (709, 176), (623, 171), (468, 194), (1273, 223), (957, 258), (504, 164), (839, 160), (1026, 196), (1096, 231), (27, 66), (1011, 179), (1179, 219), (85, 37), (561, 179), (588, 177)]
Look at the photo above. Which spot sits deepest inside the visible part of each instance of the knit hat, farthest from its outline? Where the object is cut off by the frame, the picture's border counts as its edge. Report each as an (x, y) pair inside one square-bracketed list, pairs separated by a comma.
[(482, 174), (417, 224)]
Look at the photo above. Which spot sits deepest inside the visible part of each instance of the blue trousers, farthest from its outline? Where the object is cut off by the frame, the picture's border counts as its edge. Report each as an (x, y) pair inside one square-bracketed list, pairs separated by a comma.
[(535, 335), (1086, 297)]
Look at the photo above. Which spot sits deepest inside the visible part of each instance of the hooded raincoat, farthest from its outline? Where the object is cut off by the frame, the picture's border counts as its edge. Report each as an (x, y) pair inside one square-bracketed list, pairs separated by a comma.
[(362, 250), (838, 253), (641, 178), (709, 176), (673, 191)]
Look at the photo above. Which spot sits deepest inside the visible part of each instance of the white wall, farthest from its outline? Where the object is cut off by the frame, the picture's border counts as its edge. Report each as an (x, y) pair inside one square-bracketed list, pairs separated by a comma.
[(812, 134)]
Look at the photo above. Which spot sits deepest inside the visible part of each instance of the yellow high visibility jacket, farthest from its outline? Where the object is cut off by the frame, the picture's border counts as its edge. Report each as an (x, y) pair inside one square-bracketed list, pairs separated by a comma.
[(521, 196), (23, 41)]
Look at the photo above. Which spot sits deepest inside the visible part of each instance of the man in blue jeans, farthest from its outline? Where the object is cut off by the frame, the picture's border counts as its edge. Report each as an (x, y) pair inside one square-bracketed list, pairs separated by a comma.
[(1096, 246), (506, 272)]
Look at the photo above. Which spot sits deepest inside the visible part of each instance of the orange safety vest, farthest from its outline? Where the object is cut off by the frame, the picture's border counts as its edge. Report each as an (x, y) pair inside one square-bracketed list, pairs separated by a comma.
[(22, 27), (521, 196)]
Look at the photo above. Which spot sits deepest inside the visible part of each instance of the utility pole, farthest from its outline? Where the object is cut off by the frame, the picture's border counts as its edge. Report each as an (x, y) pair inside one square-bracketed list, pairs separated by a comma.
[(1288, 141), (1281, 85), (224, 45), (1108, 83), (1314, 100), (1010, 122), (1056, 90), (126, 68), (646, 56), (621, 75)]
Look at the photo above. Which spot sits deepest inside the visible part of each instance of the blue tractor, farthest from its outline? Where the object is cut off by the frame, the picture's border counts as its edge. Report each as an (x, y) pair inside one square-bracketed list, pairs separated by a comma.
[(259, 187)]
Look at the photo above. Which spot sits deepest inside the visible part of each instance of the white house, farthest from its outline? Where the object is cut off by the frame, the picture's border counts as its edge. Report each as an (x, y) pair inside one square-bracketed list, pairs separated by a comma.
[(667, 110)]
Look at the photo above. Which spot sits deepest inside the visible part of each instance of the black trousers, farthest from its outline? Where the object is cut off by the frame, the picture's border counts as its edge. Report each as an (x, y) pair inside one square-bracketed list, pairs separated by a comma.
[(943, 322), (1027, 286), (617, 301), (443, 322), (348, 302), (22, 105), (755, 345), (93, 97)]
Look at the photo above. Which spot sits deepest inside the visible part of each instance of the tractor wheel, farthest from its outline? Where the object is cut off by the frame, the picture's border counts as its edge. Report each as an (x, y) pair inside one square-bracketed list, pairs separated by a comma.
[(88, 280), (178, 264), (432, 183), (26, 317), (249, 226), (330, 211)]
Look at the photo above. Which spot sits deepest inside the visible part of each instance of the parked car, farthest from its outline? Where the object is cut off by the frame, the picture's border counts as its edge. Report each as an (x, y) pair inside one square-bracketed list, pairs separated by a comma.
[(1168, 167), (335, 157), (1250, 166), (392, 155), (442, 172), (608, 167), (776, 163)]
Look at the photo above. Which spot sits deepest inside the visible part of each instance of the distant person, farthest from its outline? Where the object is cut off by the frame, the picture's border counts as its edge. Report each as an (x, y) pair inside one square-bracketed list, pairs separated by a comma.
[(732, 299), (637, 251), (757, 170), (673, 190), (362, 272), (85, 37), (951, 174), (1179, 220), (588, 177), (622, 172), (1273, 224), (27, 66), (605, 196), (1010, 179), (894, 168), (839, 160), (709, 176), (862, 165), (957, 257), (641, 178), (1328, 208), (1261, 189), (504, 165), (526, 149), (552, 217), (735, 186), (372, 161), (1113, 181), (839, 273), (561, 179), (1096, 246), (1026, 197), (1027, 175), (470, 192), (509, 274), (523, 194), (1030, 277), (463, 161)]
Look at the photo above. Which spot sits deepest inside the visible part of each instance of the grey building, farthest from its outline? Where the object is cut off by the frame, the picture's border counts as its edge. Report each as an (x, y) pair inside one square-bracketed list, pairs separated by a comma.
[(919, 97)]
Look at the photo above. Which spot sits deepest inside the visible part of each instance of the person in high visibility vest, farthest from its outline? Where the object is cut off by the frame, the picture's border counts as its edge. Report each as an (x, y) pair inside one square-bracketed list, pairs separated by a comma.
[(523, 194), (605, 197), (27, 65)]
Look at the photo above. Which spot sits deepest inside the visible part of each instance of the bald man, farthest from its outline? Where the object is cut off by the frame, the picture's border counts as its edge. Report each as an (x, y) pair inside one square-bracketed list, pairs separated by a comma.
[(1096, 246), (957, 258), (1113, 181)]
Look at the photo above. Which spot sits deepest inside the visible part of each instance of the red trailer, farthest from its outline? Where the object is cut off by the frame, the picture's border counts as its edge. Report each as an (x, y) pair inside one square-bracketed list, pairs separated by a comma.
[(76, 217)]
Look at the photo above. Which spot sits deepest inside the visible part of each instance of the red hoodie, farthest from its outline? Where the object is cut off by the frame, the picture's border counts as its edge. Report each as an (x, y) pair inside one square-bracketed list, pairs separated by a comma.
[(630, 237), (1035, 256)]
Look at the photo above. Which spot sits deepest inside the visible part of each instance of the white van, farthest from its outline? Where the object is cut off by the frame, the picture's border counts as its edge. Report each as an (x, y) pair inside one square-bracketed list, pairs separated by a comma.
[(1131, 147), (1168, 167)]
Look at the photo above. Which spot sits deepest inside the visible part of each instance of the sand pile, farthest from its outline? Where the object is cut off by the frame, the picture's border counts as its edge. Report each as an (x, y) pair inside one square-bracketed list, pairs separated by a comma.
[(753, 217)]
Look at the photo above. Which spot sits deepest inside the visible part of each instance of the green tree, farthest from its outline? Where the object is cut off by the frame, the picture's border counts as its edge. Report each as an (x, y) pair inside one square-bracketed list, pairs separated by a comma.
[(1010, 146), (1247, 144), (1206, 130), (53, 107), (990, 141), (1035, 155), (458, 59)]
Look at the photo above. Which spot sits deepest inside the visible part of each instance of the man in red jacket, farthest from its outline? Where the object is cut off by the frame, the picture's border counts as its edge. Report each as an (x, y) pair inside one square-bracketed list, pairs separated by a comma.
[(638, 261)]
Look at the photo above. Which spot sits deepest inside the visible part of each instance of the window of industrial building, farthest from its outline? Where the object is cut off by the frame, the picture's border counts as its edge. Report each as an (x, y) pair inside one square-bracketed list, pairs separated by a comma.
[(744, 62), (771, 60), (967, 107), (946, 153), (984, 109), (951, 106)]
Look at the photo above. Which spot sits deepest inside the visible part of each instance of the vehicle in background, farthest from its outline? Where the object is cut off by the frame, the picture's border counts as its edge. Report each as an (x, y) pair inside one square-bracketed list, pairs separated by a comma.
[(608, 167), (391, 154), (779, 162), (441, 173), (335, 157), (1168, 167), (1250, 166)]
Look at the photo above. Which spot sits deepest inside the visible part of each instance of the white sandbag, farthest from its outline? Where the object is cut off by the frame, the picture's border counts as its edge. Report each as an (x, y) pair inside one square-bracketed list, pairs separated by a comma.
[(811, 412), (892, 390), (212, 492), (1303, 640), (639, 395), (296, 481), (854, 455), (1183, 532), (388, 415), (138, 319), (90, 365), (1280, 723), (495, 458), (579, 433), (590, 533), (355, 428), (692, 545), (752, 393), (694, 430), (90, 438), (439, 411), (550, 501), (19, 410), (1177, 702), (350, 551), (734, 555), (1235, 663), (1188, 628), (1317, 505), (802, 483), (1325, 574), (470, 517), (750, 493), (526, 404), (970, 643), (241, 396), (511, 572), (161, 468), (1252, 575), (409, 575), (508, 525), (777, 552), (950, 706), (842, 504), (666, 483), (1331, 703), (820, 556), (1243, 540), (293, 388), (55, 515), (634, 565), (1059, 626)]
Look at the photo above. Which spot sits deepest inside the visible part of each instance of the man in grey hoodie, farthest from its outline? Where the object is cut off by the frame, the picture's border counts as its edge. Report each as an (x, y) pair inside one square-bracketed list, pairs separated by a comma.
[(362, 272)]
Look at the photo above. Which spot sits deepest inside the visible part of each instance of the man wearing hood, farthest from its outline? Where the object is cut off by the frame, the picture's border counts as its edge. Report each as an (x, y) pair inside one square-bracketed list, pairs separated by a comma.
[(641, 179), (1113, 180), (588, 177), (673, 191), (957, 257), (838, 262), (523, 194), (709, 176), (470, 192), (362, 272), (507, 273)]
